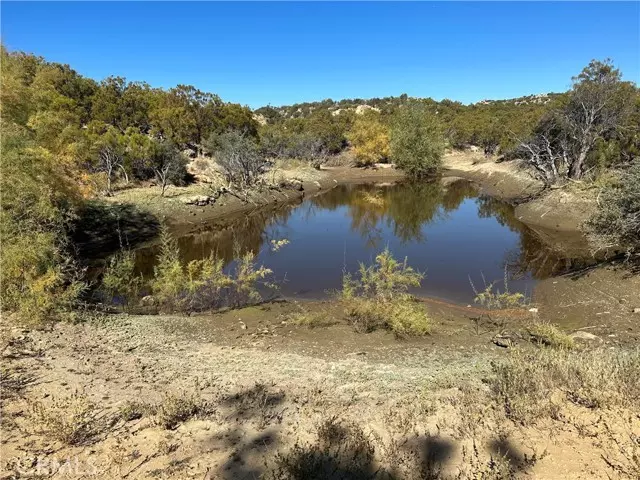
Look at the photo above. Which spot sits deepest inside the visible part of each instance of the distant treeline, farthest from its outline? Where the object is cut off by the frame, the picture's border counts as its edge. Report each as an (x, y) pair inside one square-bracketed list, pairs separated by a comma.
[(488, 124)]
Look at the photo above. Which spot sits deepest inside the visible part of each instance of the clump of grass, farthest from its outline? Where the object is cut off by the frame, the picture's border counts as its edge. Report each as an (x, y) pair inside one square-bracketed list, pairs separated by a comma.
[(493, 299), (378, 297), (310, 319), (73, 420), (525, 383), (548, 334), (133, 411), (176, 409), (341, 450), (402, 316)]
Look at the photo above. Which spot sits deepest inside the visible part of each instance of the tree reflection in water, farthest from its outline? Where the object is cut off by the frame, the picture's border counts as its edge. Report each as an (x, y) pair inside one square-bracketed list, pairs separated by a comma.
[(369, 217)]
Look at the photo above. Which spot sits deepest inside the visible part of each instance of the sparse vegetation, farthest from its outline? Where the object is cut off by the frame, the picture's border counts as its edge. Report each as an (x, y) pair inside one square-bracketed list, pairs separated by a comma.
[(493, 299), (202, 284), (73, 420), (525, 384), (120, 280), (175, 409), (342, 450)]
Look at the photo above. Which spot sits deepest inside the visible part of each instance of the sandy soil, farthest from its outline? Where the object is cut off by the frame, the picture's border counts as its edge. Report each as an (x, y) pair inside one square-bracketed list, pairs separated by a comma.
[(263, 384)]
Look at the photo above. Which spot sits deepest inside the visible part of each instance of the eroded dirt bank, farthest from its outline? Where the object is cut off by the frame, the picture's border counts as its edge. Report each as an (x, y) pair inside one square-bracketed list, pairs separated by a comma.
[(562, 210), (180, 208)]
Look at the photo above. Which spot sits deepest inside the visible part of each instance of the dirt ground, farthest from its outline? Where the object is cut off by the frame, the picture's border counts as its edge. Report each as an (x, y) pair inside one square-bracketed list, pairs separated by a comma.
[(261, 386)]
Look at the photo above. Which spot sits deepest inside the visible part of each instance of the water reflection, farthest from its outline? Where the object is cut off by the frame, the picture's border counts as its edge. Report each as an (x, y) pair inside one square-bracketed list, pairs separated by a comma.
[(449, 231)]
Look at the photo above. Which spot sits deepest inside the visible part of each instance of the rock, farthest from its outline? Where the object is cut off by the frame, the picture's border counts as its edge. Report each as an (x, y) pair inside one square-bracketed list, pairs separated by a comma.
[(580, 335), (503, 341), (199, 200), (147, 300), (636, 310), (533, 310)]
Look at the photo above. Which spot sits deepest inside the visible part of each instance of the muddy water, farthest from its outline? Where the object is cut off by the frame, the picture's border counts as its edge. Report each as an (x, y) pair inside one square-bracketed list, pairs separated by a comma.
[(451, 233)]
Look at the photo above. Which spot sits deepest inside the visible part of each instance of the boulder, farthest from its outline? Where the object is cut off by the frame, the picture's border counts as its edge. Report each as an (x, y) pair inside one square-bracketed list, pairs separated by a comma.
[(199, 200), (586, 336)]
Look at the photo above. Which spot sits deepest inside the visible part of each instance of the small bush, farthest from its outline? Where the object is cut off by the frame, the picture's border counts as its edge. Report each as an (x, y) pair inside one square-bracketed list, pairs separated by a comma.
[(401, 315), (493, 299), (545, 333), (120, 279), (378, 298), (341, 451), (176, 409), (370, 139), (202, 284), (133, 411), (73, 420), (385, 279), (617, 222)]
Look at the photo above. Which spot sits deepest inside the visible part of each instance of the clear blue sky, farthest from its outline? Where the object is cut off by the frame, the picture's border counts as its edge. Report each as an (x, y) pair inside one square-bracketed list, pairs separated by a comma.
[(281, 53)]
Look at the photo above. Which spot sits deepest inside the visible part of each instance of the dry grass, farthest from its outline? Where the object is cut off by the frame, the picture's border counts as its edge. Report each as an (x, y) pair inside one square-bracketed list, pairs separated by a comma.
[(13, 381), (134, 410), (403, 317), (548, 334), (533, 385), (309, 318), (176, 409), (341, 450), (73, 420)]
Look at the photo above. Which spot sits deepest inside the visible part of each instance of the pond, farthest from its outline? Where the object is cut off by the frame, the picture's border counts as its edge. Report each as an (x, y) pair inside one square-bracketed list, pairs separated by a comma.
[(451, 233)]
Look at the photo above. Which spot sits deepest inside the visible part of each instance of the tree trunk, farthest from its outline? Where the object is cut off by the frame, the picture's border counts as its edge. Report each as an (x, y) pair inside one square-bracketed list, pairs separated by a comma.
[(577, 166)]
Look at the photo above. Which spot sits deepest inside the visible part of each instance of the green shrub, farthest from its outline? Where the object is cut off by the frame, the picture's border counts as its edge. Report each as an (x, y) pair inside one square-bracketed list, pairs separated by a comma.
[(617, 222), (416, 140), (203, 284), (545, 333), (493, 299), (38, 277), (378, 297), (193, 286), (385, 279), (120, 278)]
